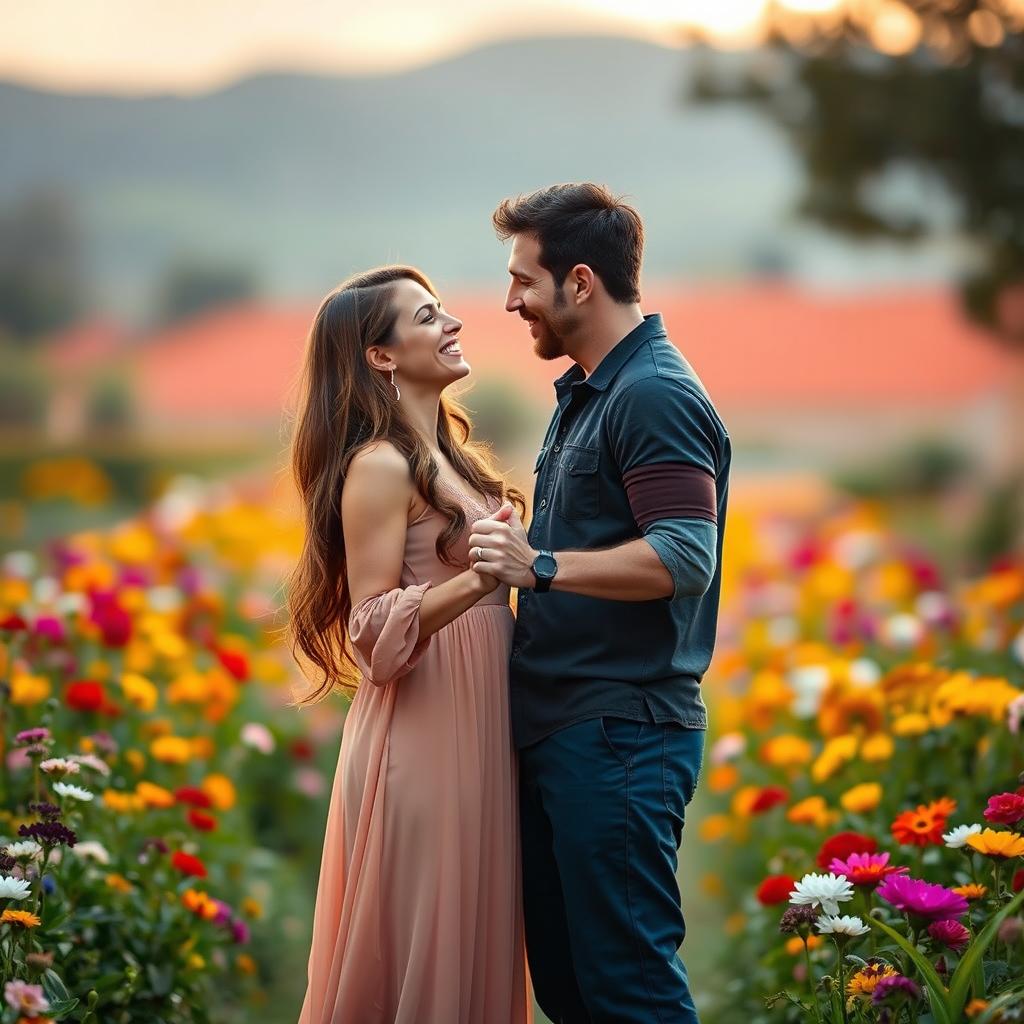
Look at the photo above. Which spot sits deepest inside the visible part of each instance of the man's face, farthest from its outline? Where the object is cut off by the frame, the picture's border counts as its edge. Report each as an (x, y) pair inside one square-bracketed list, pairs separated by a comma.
[(533, 294)]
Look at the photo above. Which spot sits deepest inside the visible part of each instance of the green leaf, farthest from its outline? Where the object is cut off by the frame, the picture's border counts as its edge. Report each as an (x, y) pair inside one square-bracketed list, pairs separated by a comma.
[(964, 973), (54, 988), (61, 1008), (939, 1001)]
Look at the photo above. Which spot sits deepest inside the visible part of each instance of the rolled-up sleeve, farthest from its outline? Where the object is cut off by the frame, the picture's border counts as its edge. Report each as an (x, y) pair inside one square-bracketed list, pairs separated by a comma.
[(668, 446), (384, 631)]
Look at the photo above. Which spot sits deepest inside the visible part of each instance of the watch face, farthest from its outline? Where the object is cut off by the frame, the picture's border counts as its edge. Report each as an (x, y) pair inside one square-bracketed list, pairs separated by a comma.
[(546, 567)]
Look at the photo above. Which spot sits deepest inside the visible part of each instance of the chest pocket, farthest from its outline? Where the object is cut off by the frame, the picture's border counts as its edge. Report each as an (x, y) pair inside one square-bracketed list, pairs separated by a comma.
[(578, 483)]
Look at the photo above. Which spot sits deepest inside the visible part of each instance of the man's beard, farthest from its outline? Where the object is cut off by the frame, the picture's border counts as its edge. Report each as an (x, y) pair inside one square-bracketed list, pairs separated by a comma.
[(554, 329)]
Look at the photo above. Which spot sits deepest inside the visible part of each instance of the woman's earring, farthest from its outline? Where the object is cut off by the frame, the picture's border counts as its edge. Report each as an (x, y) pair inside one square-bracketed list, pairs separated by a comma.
[(398, 393)]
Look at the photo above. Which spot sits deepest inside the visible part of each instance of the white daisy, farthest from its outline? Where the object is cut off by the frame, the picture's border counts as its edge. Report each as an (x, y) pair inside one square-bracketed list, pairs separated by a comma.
[(957, 839), (59, 766), (850, 927), (65, 789), (91, 850), (97, 764), (28, 848), (826, 891), (13, 888)]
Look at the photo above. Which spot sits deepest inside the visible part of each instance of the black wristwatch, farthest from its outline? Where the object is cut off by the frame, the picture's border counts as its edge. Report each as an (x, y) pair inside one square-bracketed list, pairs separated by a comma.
[(544, 568)]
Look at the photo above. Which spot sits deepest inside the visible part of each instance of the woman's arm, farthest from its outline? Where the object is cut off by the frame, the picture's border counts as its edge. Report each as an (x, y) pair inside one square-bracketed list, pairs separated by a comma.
[(375, 505)]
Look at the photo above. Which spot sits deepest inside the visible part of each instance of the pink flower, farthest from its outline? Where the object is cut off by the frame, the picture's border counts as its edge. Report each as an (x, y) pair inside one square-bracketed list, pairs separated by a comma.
[(922, 899), (1005, 808), (949, 933), (866, 868), (25, 998)]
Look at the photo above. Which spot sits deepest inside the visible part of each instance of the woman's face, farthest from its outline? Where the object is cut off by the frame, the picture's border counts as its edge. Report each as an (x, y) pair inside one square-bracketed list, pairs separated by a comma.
[(424, 345)]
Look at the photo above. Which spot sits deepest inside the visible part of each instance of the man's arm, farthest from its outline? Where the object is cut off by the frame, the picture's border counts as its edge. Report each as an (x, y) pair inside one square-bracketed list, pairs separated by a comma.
[(666, 445)]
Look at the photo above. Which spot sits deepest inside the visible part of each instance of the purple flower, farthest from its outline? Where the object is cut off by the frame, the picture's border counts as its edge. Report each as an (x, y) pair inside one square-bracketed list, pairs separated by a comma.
[(45, 810), (894, 988), (223, 913), (949, 933), (240, 930), (922, 899), (49, 833), (28, 736)]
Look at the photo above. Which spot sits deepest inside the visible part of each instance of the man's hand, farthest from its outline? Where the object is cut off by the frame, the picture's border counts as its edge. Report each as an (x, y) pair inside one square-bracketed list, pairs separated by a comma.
[(498, 546)]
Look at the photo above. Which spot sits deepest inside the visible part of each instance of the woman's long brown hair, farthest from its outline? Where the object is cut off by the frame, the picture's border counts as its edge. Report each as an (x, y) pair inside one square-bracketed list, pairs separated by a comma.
[(345, 405)]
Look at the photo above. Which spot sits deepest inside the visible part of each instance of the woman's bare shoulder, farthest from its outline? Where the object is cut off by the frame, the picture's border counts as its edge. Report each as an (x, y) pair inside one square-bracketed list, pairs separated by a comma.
[(378, 477)]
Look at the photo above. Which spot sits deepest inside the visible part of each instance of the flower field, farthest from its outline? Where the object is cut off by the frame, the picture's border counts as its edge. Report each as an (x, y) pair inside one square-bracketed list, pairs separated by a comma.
[(864, 783), (162, 812), (160, 803)]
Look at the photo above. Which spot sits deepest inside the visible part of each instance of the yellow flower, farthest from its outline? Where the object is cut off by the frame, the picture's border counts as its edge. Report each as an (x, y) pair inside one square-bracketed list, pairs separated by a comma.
[(133, 544), (171, 749), (123, 803), (997, 844), (119, 882), (863, 798), (252, 908), (195, 962), (912, 724), (136, 760), (972, 891), (715, 827), (22, 918), (245, 964), (767, 695), (811, 811), (153, 795), (722, 778), (846, 710), (169, 645), (202, 747), (877, 747), (221, 790), (786, 751), (744, 799), (189, 688), (837, 753), (27, 689), (795, 945), (712, 884), (139, 692), (735, 923), (863, 983)]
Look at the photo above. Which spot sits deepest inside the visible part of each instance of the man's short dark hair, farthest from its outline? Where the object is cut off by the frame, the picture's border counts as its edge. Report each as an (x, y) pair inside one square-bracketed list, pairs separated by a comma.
[(580, 223)]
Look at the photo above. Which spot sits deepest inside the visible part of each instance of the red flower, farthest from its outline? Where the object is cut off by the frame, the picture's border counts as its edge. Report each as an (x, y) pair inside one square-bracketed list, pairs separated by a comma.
[(115, 624), (1018, 881), (775, 889), (769, 797), (841, 845), (235, 662), (13, 622), (301, 748), (85, 695), (202, 821), (187, 864), (192, 795), (1005, 808)]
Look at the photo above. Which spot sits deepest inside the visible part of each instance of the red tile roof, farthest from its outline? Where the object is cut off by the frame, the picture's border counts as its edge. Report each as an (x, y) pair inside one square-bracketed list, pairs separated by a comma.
[(764, 346)]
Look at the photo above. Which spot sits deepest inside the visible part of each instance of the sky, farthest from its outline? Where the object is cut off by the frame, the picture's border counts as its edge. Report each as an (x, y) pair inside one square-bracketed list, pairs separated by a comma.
[(189, 46)]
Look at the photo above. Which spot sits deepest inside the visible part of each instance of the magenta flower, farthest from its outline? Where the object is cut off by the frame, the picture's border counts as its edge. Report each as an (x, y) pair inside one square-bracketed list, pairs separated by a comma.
[(1005, 808), (922, 899), (29, 736), (866, 868), (896, 988), (949, 933), (49, 627)]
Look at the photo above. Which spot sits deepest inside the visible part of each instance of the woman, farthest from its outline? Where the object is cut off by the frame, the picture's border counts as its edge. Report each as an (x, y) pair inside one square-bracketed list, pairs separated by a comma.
[(418, 917)]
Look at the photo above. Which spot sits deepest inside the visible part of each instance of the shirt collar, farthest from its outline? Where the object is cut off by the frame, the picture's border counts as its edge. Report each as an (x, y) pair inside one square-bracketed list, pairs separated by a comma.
[(605, 371)]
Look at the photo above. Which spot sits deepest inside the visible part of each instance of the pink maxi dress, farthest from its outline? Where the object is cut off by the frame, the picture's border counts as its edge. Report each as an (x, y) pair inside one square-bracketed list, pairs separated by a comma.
[(418, 914)]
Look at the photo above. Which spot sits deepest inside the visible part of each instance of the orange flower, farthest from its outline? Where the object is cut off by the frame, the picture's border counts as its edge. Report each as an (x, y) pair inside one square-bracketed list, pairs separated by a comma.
[(971, 891), (997, 844), (921, 827), (22, 918), (199, 903)]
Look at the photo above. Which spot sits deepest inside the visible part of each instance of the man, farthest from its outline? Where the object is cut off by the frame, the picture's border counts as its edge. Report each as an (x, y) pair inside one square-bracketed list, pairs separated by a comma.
[(618, 599)]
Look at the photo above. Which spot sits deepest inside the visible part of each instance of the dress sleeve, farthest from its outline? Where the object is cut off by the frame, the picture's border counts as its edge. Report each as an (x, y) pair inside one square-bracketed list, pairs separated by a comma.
[(383, 630)]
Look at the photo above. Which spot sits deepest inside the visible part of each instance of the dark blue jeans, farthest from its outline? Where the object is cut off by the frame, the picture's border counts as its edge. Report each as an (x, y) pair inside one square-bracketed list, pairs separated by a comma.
[(602, 805)]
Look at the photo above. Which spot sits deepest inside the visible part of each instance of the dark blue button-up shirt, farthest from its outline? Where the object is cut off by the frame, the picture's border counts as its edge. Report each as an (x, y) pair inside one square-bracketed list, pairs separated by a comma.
[(577, 657)]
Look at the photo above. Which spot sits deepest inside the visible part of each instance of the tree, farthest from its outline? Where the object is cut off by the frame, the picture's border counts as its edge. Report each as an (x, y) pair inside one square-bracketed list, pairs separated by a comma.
[(191, 286), (41, 277), (878, 87)]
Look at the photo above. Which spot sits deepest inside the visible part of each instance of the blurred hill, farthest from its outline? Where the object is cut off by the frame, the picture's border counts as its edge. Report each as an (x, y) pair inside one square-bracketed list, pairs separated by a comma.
[(304, 179)]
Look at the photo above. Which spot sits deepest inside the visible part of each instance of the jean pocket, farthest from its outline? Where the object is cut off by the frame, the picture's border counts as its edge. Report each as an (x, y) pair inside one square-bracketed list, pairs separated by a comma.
[(622, 737), (682, 756), (578, 484)]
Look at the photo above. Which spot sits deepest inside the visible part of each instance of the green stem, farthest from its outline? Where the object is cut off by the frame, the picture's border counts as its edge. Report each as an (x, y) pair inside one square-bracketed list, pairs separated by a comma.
[(842, 980), (810, 980)]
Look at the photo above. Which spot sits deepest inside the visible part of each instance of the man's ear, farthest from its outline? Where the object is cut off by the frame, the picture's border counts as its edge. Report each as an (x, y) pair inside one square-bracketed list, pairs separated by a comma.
[(582, 281)]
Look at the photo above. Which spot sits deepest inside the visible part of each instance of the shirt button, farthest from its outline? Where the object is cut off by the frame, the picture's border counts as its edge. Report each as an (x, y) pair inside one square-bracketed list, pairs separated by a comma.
[(543, 502), (558, 447)]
